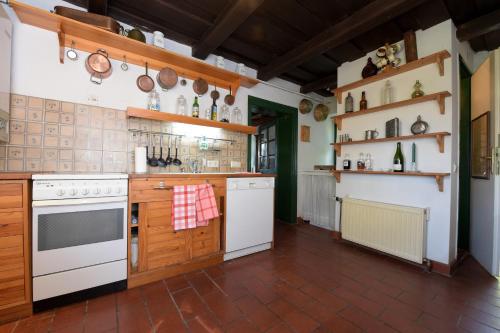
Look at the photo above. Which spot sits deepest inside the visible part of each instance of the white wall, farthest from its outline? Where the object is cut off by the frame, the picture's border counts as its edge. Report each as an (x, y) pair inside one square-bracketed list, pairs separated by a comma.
[(36, 71), (409, 191)]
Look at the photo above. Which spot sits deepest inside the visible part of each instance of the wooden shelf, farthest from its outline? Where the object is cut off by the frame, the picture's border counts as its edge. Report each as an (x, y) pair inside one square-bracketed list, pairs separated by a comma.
[(437, 58), (170, 117), (438, 176), (90, 38), (439, 136), (438, 97)]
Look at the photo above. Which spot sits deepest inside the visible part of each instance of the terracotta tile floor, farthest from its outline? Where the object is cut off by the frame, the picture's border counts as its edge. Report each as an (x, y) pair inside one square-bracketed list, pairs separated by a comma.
[(309, 283)]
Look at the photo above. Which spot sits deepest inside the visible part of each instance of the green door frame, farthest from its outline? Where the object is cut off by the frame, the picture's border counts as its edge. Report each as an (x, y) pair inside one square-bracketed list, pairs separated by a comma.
[(464, 174), (283, 110)]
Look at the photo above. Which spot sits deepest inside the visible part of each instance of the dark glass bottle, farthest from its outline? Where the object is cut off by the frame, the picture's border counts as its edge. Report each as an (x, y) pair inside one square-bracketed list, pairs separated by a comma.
[(399, 160), (347, 162), (196, 108), (213, 111), (349, 103), (363, 103)]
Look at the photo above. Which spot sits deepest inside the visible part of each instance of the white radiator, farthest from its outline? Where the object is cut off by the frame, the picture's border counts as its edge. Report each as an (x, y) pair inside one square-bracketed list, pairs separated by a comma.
[(393, 229)]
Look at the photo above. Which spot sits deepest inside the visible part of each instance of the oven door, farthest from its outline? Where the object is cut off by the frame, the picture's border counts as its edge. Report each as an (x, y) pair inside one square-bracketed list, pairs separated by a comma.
[(76, 233)]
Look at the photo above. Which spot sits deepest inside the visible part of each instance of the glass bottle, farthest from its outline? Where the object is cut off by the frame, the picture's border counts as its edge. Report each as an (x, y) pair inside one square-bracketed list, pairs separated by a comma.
[(213, 111), (368, 162), (398, 161), (349, 103), (346, 163), (237, 116), (181, 106), (196, 108), (208, 113), (363, 103), (224, 113), (387, 93), (361, 162), (154, 101), (417, 90)]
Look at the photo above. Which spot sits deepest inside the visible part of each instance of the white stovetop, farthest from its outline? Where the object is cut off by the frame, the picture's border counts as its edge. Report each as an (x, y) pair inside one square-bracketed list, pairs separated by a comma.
[(73, 176)]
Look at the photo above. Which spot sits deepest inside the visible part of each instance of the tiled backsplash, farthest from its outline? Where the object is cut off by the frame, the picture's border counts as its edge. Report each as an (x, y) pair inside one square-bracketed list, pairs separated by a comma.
[(49, 135)]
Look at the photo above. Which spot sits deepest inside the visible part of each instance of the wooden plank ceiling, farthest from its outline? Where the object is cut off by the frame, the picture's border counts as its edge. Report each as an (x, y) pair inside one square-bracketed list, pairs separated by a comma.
[(302, 41)]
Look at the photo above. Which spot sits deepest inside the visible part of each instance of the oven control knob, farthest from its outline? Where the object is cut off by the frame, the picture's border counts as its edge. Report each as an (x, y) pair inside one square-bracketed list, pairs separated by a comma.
[(60, 192), (85, 191), (97, 190), (73, 191), (108, 190)]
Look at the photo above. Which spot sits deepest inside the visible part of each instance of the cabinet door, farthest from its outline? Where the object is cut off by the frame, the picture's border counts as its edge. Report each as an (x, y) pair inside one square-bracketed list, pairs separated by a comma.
[(12, 288), (206, 240), (164, 245)]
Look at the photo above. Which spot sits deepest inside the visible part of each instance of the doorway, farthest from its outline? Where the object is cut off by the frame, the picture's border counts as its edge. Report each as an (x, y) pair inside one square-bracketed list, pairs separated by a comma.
[(463, 239), (274, 150)]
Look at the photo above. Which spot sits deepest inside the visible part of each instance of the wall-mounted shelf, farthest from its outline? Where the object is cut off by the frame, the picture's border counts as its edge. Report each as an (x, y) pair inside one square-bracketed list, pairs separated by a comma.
[(438, 97), (438, 176), (439, 136), (170, 117), (89, 38), (437, 58)]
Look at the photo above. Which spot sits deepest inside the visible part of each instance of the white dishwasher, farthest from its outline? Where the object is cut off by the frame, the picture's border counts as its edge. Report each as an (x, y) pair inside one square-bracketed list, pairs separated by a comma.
[(249, 216)]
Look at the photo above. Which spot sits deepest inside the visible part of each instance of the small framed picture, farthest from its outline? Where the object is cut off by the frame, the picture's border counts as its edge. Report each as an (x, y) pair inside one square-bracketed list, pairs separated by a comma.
[(480, 147)]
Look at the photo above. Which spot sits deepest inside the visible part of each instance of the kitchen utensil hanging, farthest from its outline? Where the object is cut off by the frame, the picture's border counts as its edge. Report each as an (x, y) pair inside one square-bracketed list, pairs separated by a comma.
[(124, 65), (99, 66), (183, 82), (169, 158), (71, 53), (200, 86), (229, 99), (144, 82), (167, 78), (214, 94), (176, 161), (161, 161)]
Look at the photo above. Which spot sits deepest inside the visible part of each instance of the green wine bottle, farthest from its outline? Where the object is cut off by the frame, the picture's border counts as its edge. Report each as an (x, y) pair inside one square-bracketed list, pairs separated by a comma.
[(196, 108), (213, 112), (399, 160)]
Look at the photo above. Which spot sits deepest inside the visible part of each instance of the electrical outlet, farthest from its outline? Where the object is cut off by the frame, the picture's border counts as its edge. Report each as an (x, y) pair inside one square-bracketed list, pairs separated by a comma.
[(235, 164), (212, 164)]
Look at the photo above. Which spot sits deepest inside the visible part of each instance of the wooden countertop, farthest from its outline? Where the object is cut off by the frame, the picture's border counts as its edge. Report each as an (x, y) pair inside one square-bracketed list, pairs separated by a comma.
[(199, 175), (15, 175)]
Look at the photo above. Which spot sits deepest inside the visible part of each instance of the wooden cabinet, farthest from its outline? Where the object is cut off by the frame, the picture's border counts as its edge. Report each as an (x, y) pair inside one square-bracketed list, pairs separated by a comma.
[(164, 252), (15, 274)]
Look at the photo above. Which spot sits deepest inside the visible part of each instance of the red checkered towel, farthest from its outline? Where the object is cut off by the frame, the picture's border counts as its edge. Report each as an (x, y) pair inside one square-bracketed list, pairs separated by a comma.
[(184, 207), (193, 205), (206, 207)]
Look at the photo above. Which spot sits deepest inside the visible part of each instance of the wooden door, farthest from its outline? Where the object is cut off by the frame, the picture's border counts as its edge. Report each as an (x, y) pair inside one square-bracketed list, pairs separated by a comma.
[(164, 245)]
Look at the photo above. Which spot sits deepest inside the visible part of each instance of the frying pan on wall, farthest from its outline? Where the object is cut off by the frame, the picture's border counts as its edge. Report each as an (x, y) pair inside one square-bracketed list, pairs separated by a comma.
[(167, 78), (144, 82), (229, 99), (200, 86)]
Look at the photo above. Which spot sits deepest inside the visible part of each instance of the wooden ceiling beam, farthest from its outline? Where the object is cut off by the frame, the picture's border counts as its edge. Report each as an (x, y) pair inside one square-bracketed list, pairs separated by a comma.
[(361, 21), (479, 26), (98, 7), (324, 82), (227, 22)]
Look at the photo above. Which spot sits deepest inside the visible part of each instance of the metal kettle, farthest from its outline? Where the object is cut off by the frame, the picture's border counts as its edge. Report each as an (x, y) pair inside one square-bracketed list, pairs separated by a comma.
[(133, 33)]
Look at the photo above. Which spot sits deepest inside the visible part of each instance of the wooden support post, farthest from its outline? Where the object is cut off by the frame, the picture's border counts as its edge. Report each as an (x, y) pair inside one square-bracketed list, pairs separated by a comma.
[(439, 181), (338, 93), (338, 122), (337, 175), (440, 142), (338, 149), (440, 63), (440, 101), (62, 37)]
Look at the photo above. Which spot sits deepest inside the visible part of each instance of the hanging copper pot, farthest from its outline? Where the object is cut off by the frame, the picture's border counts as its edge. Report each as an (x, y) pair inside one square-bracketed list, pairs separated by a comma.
[(229, 99), (167, 78), (200, 86), (144, 82), (98, 65)]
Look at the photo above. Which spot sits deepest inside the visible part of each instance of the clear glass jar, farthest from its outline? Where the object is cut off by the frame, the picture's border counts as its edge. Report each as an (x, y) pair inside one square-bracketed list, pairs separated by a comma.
[(224, 113), (208, 114), (154, 101), (368, 162), (181, 106), (237, 116), (361, 162)]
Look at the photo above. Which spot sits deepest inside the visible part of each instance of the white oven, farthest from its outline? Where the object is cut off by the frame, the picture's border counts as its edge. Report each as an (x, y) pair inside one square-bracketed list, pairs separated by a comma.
[(79, 233)]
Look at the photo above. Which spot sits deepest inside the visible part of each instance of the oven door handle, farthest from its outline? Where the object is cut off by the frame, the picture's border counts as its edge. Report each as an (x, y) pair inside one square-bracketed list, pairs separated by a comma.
[(83, 201)]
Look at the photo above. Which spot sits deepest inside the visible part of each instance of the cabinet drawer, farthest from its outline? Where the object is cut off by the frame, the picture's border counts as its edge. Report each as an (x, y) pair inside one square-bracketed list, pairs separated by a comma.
[(206, 240), (166, 247), (11, 223), (145, 190), (11, 195)]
